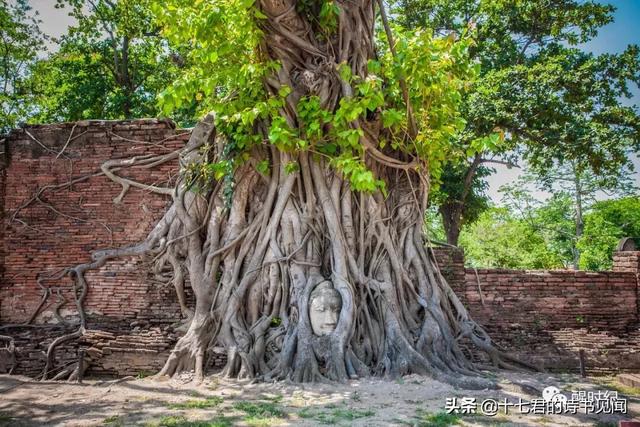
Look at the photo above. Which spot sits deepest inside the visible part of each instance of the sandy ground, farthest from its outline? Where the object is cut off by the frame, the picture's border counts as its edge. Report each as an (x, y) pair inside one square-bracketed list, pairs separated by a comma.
[(412, 400)]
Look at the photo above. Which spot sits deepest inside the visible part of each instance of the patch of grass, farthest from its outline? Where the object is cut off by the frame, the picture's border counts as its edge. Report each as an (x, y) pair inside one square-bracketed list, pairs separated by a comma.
[(261, 414), (143, 374), (487, 420), (180, 421), (259, 409), (334, 415), (621, 388), (544, 420), (209, 402), (220, 421), (113, 420), (439, 419), (262, 422)]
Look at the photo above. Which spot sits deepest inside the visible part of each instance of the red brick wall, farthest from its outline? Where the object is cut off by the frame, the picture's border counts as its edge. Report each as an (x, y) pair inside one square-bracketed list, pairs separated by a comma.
[(628, 261), (552, 299), (69, 223), (547, 316), (3, 160)]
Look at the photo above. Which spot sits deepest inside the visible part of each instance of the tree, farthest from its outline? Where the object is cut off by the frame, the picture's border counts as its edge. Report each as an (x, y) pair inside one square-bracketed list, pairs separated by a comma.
[(527, 233), (21, 40), (537, 94), (574, 190), (500, 238), (461, 197), (604, 225), (111, 65), (297, 219)]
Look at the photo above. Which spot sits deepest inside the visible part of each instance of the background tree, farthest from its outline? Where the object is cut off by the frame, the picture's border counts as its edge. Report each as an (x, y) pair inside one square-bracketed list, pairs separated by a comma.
[(529, 233), (502, 239), (574, 190), (20, 39), (551, 101), (461, 197), (604, 225), (112, 64)]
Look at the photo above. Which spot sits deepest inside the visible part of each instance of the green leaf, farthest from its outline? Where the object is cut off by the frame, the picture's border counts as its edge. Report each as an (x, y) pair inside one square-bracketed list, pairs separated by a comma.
[(291, 167), (344, 70), (258, 14), (263, 166)]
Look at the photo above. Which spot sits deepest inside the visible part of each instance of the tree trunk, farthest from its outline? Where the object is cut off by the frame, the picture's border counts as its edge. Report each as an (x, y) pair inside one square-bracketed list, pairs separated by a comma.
[(451, 214), (579, 219)]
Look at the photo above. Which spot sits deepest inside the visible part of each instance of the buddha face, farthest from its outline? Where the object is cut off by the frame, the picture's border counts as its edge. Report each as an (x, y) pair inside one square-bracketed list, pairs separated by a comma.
[(324, 309)]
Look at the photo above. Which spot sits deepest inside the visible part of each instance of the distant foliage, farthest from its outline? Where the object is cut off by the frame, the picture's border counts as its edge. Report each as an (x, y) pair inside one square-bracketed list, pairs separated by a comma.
[(539, 96), (111, 64), (607, 222), (499, 239), (21, 41), (542, 236)]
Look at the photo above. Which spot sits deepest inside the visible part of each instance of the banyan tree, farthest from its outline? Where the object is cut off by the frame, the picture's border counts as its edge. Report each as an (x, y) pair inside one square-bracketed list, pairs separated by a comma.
[(297, 217)]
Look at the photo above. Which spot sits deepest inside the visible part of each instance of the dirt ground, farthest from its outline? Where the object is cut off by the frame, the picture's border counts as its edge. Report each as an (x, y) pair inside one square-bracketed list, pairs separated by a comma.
[(412, 400)]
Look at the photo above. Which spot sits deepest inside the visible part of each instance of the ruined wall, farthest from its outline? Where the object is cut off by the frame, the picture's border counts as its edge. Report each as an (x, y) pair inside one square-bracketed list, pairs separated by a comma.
[(626, 261), (547, 317), (61, 227), (552, 299), (63, 224)]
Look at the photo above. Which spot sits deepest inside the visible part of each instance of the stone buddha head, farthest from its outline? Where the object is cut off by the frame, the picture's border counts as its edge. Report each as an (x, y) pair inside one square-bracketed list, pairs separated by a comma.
[(324, 308)]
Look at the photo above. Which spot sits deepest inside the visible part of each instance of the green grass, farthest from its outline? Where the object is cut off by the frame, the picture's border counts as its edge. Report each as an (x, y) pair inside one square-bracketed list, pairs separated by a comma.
[(439, 419), (621, 388), (113, 420), (261, 414), (143, 374), (486, 420), (180, 421), (334, 415), (209, 402), (442, 419)]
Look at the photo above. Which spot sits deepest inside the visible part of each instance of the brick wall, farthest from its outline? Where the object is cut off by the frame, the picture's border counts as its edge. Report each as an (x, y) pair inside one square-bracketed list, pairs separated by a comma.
[(552, 299), (626, 261), (64, 226), (546, 316)]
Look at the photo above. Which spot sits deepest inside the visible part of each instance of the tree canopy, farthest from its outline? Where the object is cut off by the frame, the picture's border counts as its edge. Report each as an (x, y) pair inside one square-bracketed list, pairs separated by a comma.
[(528, 234), (111, 64), (21, 40), (539, 97), (415, 91)]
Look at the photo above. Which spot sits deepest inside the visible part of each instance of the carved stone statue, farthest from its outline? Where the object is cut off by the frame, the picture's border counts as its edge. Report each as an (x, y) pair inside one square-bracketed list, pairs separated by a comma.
[(324, 308)]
